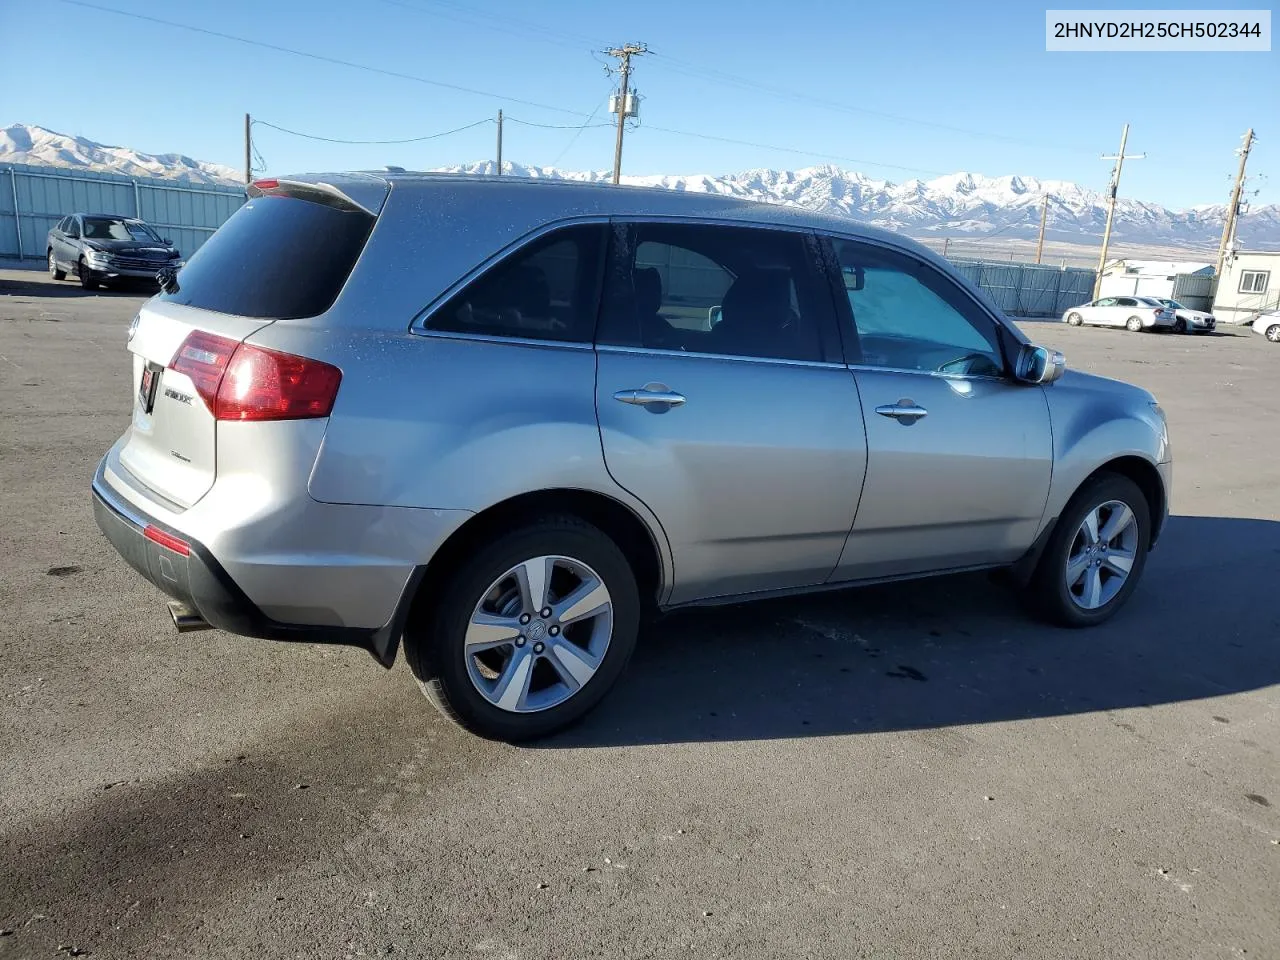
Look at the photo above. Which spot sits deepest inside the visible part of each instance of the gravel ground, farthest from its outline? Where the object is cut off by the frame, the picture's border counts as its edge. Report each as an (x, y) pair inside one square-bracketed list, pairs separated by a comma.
[(912, 771)]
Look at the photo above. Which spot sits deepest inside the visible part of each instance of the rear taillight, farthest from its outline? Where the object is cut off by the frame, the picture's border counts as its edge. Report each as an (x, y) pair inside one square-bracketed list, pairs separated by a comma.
[(238, 381), (1158, 313), (167, 540)]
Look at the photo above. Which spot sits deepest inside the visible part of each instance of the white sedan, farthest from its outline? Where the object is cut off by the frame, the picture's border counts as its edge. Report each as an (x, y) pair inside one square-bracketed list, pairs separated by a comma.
[(1132, 313), (1268, 324), (1186, 320)]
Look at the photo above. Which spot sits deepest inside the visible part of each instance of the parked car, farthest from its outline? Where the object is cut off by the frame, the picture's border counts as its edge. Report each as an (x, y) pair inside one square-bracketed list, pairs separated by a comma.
[(103, 248), (489, 421), (1186, 320), (1268, 324), (1132, 313)]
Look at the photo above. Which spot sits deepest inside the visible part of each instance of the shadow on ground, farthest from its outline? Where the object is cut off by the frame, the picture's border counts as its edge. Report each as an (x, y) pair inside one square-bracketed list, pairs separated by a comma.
[(953, 650), (40, 285)]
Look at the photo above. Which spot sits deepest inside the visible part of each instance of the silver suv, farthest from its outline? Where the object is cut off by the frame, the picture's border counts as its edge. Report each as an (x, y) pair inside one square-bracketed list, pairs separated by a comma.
[(496, 422)]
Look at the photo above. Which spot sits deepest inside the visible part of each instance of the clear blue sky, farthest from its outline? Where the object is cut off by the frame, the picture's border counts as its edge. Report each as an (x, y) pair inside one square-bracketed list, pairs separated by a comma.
[(977, 66)]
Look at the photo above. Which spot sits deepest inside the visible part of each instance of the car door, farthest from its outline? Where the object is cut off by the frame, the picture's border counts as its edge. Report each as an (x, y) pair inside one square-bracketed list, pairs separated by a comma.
[(1124, 308), (959, 455), (724, 404), (71, 244), (1098, 312)]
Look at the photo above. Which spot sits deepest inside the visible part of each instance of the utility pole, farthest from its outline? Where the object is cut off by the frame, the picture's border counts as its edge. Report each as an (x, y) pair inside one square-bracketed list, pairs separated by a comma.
[(1233, 211), (1119, 158), (248, 150), (499, 143), (1044, 213), (624, 54)]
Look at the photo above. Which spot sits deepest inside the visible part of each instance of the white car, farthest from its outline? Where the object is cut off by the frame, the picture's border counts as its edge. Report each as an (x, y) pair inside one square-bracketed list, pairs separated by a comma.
[(1132, 313), (1268, 324), (1186, 320)]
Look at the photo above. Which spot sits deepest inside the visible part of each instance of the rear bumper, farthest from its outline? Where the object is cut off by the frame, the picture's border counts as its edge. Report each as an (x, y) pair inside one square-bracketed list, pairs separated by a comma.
[(200, 581)]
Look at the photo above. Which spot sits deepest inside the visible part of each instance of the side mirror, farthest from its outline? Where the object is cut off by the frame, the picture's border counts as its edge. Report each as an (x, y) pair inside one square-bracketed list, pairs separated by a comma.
[(1040, 364), (167, 242)]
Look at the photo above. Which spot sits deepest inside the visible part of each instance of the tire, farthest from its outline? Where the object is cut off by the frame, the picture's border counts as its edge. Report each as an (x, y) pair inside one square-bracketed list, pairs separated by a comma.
[(1133, 324), (550, 700), (1179, 326), (1049, 592), (1075, 319), (87, 279), (1272, 333), (54, 271)]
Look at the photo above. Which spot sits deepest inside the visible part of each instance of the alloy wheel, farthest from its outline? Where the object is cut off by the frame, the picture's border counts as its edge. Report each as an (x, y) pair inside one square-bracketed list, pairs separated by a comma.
[(1102, 554), (539, 634)]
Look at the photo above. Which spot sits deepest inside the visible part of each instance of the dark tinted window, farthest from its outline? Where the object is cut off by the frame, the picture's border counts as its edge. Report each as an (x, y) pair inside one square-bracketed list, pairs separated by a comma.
[(277, 257), (909, 316), (735, 291), (544, 291)]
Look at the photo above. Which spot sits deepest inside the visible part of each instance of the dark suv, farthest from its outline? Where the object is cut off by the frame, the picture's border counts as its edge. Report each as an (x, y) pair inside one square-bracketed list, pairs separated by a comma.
[(100, 248)]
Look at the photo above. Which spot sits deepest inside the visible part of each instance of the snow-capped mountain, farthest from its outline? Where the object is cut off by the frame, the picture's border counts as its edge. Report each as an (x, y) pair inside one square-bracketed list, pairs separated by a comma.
[(959, 204), (22, 143)]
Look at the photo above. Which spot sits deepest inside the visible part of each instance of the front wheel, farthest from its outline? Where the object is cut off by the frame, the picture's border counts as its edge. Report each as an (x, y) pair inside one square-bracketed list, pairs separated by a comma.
[(1096, 554), (88, 279), (1179, 326), (1133, 324), (529, 633)]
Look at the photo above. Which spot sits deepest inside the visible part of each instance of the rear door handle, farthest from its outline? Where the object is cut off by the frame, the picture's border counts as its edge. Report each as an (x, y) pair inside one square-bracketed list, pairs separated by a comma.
[(645, 396), (904, 411)]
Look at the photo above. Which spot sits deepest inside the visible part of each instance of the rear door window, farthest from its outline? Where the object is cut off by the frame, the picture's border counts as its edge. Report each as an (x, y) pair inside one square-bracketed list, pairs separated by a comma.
[(278, 257), (73, 229), (546, 290)]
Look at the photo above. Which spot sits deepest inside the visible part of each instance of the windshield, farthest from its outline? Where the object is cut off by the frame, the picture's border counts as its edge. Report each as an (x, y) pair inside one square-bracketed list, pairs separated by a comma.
[(1172, 303), (117, 228)]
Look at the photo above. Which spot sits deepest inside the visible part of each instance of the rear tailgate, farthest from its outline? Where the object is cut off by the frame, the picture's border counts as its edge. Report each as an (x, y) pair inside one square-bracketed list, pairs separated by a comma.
[(171, 446), (285, 254)]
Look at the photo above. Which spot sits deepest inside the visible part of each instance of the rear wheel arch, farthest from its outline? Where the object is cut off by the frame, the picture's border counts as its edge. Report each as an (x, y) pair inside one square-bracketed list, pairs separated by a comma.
[(633, 536)]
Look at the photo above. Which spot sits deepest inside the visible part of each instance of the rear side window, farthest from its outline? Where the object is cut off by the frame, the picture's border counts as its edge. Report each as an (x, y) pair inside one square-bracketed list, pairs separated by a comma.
[(278, 257), (73, 229), (544, 291)]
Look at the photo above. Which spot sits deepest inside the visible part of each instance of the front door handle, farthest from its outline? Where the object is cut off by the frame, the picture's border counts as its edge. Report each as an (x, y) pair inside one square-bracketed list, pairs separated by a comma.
[(645, 396), (904, 411)]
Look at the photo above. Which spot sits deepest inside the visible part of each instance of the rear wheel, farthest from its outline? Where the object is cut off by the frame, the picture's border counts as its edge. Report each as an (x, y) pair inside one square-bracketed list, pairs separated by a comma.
[(88, 279), (1133, 324), (528, 634), (56, 272), (1075, 319), (1272, 333), (1096, 555)]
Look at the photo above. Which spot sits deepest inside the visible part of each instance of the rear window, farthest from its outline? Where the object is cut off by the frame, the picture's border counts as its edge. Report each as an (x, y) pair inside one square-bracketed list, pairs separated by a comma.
[(277, 257)]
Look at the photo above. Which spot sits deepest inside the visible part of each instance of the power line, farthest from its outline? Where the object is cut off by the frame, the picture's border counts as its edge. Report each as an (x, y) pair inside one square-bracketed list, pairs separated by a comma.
[(574, 139), (322, 58), (500, 22), (562, 126), (430, 136)]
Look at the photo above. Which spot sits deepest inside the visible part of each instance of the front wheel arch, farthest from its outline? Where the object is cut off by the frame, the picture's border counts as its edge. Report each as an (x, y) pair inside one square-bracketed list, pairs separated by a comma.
[(1142, 472)]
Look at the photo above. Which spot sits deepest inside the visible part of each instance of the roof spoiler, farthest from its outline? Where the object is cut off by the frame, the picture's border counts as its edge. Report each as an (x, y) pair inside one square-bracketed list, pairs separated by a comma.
[(361, 195)]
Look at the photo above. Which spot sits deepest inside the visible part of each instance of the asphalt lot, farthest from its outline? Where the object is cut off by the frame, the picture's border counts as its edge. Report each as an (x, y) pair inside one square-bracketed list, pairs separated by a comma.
[(914, 771)]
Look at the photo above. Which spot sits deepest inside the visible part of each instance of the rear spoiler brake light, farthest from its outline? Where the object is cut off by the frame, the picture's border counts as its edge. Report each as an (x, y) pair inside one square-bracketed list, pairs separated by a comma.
[(323, 193)]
